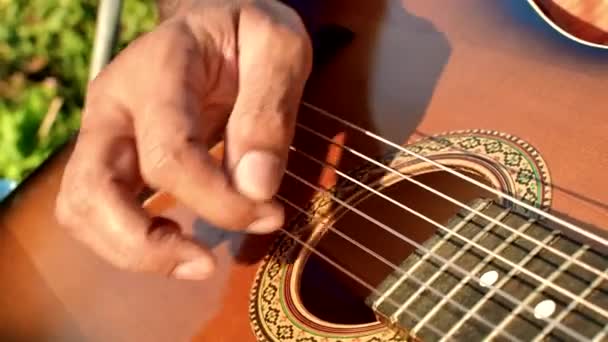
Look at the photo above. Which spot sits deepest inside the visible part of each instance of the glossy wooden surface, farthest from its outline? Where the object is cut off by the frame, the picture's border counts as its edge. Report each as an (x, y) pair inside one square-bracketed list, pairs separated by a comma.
[(415, 67), (584, 19)]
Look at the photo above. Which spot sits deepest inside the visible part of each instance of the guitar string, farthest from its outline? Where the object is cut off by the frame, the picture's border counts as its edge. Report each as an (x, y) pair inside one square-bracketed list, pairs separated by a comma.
[(331, 228), (554, 323), (537, 211), (455, 201), (538, 278), (412, 242), (423, 136), (356, 278)]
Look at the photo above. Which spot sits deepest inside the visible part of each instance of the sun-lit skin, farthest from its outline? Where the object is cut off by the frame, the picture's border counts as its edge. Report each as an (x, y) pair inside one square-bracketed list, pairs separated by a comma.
[(211, 68)]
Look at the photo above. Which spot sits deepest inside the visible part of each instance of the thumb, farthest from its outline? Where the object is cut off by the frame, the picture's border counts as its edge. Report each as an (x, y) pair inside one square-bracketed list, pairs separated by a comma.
[(274, 64)]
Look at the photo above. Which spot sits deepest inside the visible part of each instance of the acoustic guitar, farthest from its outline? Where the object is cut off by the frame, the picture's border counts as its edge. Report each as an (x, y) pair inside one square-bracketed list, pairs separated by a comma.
[(447, 182)]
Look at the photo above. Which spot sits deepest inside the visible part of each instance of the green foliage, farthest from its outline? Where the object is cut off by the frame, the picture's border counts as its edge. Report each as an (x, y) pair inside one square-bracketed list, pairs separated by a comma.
[(45, 48)]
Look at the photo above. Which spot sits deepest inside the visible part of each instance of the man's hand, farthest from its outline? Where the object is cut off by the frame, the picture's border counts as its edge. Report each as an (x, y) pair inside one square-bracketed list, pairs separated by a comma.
[(231, 69)]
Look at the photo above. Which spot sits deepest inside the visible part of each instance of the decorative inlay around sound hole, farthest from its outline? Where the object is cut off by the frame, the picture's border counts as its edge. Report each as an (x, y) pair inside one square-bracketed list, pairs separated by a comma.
[(277, 310)]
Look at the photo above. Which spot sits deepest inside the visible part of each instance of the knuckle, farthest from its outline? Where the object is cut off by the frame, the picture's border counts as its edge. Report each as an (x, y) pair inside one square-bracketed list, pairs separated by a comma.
[(295, 48), (258, 122), (161, 158), (300, 48), (63, 211), (273, 127), (131, 252), (73, 214), (124, 262), (101, 104), (303, 50), (153, 255), (134, 260), (279, 21), (94, 86), (163, 231), (290, 25), (72, 205), (268, 120), (81, 187), (96, 89)]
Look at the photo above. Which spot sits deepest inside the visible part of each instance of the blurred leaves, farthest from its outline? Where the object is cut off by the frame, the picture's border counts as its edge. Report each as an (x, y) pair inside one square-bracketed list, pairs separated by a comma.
[(45, 49)]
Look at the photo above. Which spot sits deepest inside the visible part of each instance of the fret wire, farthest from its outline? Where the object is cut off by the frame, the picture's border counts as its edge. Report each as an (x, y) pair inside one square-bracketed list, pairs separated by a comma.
[(538, 291), (444, 196), (425, 218), (568, 309), (501, 282), (388, 263), (443, 268), (425, 257)]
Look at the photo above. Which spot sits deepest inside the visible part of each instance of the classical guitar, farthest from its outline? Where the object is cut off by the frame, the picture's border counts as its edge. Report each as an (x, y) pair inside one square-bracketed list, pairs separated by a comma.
[(447, 182), (583, 21)]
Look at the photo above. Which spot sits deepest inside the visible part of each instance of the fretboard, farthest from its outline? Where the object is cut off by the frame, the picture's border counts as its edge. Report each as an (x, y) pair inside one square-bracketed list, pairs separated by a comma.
[(509, 278)]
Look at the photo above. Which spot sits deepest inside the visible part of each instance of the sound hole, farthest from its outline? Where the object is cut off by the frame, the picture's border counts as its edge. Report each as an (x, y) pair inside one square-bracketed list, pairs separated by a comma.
[(335, 297)]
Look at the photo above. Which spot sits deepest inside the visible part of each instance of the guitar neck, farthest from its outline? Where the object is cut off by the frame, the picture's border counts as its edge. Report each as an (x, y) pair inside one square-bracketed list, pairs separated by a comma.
[(508, 299)]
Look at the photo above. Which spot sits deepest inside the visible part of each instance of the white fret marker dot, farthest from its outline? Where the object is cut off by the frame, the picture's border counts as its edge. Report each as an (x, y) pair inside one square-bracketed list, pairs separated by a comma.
[(544, 309), (488, 279)]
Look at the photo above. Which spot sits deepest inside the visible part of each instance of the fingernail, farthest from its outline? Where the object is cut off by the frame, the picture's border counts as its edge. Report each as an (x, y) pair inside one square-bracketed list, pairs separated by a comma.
[(258, 174), (193, 270), (267, 224)]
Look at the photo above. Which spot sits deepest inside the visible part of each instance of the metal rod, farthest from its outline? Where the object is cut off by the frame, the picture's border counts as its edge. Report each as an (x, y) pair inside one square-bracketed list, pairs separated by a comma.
[(108, 18)]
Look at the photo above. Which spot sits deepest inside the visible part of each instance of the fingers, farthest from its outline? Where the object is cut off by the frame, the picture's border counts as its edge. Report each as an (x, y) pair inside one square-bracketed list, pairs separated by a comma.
[(157, 132), (174, 157), (97, 202), (136, 242), (274, 64), (174, 134)]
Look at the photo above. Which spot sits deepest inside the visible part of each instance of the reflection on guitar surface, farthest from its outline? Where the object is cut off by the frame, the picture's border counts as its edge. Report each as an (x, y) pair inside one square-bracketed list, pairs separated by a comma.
[(584, 21), (446, 183)]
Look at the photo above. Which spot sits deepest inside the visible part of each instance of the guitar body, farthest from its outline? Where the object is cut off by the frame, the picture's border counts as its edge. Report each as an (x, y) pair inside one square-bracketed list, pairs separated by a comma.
[(284, 304), (483, 87)]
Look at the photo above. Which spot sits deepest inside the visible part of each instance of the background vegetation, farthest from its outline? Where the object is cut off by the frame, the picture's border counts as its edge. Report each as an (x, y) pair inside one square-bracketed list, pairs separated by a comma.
[(45, 48)]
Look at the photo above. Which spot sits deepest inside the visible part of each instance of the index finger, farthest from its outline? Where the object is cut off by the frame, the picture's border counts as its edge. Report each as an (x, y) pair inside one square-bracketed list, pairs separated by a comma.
[(173, 137), (175, 159)]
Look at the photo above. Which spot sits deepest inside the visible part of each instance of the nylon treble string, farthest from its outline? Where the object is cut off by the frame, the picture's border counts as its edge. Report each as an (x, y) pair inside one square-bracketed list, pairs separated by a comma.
[(455, 201), (471, 277), (529, 207)]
